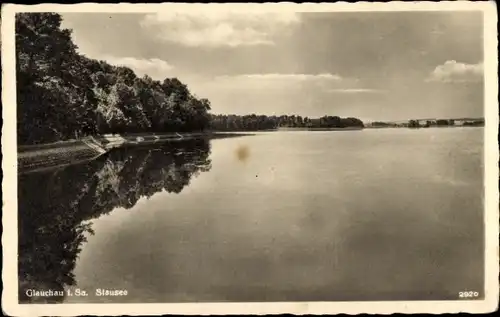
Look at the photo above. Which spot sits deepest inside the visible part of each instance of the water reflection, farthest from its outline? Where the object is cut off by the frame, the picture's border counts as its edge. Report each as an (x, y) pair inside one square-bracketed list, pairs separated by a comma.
[(379, 215), (55, 207)]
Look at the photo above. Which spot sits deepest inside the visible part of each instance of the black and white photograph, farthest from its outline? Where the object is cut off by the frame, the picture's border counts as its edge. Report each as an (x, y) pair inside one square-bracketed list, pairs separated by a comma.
[(250, 158)]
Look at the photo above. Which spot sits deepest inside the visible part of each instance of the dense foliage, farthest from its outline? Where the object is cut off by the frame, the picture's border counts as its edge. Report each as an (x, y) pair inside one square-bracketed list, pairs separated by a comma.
[(62, 94), (254, 122)]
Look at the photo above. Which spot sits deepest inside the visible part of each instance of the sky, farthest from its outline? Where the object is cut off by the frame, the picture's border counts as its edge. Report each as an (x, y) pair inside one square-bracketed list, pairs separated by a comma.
[(370, 65)]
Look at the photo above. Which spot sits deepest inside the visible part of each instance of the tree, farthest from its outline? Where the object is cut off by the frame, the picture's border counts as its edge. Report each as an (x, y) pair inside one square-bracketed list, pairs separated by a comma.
[(442, 122), (62, 94), (413, 124), (45, 72)]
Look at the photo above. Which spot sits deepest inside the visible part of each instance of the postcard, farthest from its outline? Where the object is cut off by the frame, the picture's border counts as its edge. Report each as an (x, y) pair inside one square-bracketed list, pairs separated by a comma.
[(274, 158)]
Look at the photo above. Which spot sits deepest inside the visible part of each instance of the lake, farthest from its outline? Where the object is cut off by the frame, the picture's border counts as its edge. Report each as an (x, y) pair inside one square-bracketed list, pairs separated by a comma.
[(381, 214)]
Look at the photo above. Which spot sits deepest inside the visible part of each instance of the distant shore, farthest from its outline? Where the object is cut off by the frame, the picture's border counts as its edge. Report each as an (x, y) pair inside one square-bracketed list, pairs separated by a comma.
[(320, 129), (424, 127), (428, 123), (42, 156)]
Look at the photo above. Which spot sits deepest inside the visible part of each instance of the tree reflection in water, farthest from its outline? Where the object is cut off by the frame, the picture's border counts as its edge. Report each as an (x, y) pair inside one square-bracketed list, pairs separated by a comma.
[(55, 207)]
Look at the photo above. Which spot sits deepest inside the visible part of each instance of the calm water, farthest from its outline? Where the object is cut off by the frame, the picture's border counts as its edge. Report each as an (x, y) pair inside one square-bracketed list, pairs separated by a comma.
[(391, 214)]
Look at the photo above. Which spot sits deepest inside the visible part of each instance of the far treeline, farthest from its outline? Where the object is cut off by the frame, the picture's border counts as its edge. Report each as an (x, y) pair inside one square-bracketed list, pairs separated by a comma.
[(478, 122), (64, 95), (259, 122)]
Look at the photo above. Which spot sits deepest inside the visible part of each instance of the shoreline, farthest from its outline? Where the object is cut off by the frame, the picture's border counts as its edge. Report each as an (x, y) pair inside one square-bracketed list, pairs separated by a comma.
[(38, 157), (431, 127), (320, 129)]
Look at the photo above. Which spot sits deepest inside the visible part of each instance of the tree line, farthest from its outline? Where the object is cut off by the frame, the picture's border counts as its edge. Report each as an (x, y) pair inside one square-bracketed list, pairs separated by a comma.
[(261, 122), (63, 95), (413, 123), (443, 123)]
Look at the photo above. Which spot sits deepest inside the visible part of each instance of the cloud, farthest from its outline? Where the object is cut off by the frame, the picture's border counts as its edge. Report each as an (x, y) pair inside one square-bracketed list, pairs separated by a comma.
[(453, 71), (156, 68), (284, 85), (219, 28), (357, 91), (285, 77), (273, 82)]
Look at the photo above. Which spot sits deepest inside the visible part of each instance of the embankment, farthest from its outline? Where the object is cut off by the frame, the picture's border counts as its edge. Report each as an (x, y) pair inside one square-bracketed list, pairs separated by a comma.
[(45, 156), (36, 157)]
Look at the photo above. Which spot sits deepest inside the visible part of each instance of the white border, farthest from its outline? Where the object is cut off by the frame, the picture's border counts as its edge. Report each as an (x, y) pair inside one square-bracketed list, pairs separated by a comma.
[(9, 166)]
